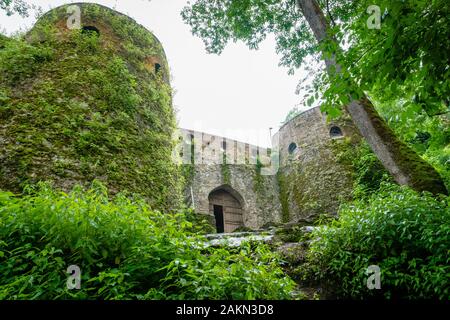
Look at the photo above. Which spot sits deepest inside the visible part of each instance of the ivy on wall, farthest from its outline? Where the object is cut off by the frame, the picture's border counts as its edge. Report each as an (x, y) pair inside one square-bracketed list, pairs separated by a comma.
[(81, 106), (284, 196), (225, 170)]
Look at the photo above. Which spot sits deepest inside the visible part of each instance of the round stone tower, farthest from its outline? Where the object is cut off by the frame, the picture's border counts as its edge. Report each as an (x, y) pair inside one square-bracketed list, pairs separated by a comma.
[(300, 138), (86, 96), (313, 179)]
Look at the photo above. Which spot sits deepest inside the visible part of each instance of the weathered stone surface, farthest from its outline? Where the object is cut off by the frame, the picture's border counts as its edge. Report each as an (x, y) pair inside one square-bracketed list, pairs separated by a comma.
[(237, 238), (88, 105), (311, 179), (260, 206), (294, 252)]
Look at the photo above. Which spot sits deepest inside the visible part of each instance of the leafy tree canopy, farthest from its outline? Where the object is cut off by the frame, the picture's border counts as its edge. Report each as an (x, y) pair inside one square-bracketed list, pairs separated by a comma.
[(15, 6), (410, 49)]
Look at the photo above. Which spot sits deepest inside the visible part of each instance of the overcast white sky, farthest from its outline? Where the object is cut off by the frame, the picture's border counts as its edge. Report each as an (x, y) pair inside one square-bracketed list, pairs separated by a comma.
[(239, 94)]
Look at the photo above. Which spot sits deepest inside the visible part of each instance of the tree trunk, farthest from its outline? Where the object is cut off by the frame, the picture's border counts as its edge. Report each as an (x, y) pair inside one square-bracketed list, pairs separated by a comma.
[(405, 165)]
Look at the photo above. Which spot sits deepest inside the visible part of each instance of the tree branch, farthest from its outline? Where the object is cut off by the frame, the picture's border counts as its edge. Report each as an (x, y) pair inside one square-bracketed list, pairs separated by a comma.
[(329, 15)]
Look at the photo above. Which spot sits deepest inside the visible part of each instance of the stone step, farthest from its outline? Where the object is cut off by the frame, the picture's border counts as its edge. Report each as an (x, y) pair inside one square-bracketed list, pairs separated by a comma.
[(235, 239)]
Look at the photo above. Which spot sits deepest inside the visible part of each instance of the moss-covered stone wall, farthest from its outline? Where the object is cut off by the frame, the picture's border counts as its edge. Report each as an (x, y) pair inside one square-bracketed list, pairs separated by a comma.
[(313, 178), (316, 187), (257, 194), (77, 106)]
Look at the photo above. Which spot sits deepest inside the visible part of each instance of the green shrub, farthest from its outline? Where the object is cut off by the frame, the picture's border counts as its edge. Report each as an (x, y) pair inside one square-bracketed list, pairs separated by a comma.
[(405, 233), (124, 251), (369, 173), (200, 222)]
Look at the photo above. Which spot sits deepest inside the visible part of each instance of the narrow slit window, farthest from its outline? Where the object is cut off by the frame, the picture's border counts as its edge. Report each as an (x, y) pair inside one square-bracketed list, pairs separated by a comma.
[(157, 67)]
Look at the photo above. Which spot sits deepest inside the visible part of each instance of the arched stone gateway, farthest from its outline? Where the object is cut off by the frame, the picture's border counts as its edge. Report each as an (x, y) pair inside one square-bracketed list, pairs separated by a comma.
[(227, 207), (309, 178)]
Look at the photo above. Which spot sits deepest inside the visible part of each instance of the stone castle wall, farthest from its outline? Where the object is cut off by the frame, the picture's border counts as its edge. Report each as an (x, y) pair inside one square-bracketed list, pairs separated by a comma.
[(312, 179), (204, 148), (308, 180), (91, 102), (300, 176), (218, 163), (259, 199)]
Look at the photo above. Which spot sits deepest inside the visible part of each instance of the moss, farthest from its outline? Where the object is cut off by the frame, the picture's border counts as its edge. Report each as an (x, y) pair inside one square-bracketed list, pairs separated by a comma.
[(200, 223), (77, 107), (368, 171), (264, 189), (317, 186), (188, 173), (225, 170), (284, 196), (422, 176), (258, 180), (121, 32), (3, 41)]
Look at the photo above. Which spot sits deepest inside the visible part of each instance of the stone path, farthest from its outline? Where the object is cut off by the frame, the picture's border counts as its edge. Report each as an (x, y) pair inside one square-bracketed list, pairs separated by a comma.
[(237, 238), (292, 252)]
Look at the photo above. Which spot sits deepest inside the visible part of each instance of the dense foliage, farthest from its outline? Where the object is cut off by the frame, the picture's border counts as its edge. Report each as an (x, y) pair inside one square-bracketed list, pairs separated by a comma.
[(250, 21), (368, 174), (405, 233), (124, 249), (410, 55), (290, 22), (397, 51), (409, 51), (15, 6), (428, 135)]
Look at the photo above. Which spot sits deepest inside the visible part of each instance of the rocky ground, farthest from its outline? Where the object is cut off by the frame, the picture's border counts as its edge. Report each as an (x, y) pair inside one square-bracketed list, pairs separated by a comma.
[(290, 240)]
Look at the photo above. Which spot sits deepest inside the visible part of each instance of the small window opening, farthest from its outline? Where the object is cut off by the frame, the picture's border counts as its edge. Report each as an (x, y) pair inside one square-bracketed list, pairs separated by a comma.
[(157, 67), (89, 30), (292, 148), (335, 132)]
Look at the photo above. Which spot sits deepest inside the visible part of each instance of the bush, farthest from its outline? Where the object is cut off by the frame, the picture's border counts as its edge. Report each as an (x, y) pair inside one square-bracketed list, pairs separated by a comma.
[(369, 173), (405, 233), (124, 251)]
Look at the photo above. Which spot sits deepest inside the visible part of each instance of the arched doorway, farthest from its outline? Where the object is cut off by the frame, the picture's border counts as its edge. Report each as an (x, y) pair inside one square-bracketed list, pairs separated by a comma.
[(226, 206)]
